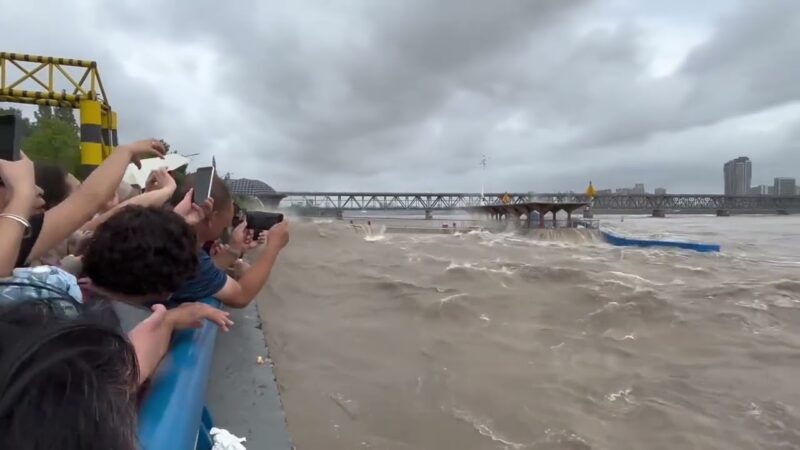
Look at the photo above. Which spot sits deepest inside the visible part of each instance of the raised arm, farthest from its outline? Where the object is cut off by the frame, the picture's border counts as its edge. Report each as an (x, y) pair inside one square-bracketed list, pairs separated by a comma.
[(21, 192), (163, 188), (61, 221), (238, 294)]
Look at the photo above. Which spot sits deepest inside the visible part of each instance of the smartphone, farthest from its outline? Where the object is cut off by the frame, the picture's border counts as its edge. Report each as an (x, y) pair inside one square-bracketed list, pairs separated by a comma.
[(10, 137), (202, 184), (260, 221)]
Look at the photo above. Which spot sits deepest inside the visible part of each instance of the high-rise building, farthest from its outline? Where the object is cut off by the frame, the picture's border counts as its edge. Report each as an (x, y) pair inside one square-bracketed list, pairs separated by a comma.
[(761, 189), (738, 173), (785, 186), (638, 188), (660, 191)]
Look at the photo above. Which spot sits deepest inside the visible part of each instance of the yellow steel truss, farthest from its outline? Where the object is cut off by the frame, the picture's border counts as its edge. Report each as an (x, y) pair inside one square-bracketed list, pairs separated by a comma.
[(45, 72), (55, 86)]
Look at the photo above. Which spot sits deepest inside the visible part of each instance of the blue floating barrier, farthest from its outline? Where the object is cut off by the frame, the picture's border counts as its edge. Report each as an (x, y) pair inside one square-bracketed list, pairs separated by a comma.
[(629, 242)]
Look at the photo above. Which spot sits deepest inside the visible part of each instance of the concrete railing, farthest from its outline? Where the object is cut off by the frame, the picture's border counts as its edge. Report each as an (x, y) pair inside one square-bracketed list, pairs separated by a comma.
[(173, 415)]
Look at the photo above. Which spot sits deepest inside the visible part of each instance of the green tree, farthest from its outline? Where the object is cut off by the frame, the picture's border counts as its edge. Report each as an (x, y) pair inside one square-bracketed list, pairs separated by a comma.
[(66, 114), (43, 112), (55, 139)]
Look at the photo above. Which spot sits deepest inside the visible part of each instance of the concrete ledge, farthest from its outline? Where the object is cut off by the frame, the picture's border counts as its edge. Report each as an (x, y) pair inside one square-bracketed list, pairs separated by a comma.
[(243, 395)]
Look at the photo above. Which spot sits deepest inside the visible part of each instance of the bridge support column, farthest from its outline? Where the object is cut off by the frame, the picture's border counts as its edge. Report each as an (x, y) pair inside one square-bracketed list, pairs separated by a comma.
[(659, 213), (723, 213), (339, 214), (91, 136), (428, 215), (588, 214)]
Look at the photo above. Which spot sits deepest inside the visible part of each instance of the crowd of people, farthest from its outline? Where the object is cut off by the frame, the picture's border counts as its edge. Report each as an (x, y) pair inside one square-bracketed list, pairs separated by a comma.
[(69, 251)]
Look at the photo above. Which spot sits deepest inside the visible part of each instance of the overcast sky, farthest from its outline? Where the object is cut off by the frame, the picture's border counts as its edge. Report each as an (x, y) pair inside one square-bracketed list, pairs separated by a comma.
[(403, 95)]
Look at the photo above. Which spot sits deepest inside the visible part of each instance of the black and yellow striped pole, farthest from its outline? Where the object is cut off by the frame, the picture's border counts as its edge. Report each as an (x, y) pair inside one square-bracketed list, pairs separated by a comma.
[(107, 144), (113, 116), (91, 136)]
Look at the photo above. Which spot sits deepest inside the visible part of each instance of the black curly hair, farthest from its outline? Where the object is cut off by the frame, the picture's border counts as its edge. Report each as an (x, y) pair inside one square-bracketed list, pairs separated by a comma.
[(141, 251)]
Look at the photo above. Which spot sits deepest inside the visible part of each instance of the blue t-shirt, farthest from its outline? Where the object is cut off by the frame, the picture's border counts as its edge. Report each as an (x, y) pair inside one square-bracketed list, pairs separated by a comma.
[(208, 281)]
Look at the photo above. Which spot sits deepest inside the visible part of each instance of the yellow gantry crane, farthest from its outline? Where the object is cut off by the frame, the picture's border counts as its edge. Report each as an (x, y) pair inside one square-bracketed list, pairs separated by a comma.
[(55, 86)]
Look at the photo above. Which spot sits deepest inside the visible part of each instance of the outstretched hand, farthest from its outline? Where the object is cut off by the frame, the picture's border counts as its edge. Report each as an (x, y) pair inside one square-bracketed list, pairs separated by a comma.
[(146, 148), (191, 315), (193, 213), (160, 179), (253, 241), (19, 181)]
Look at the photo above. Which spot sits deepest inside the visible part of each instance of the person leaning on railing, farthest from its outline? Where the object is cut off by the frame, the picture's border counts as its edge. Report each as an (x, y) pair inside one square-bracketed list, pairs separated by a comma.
[(211, 280)]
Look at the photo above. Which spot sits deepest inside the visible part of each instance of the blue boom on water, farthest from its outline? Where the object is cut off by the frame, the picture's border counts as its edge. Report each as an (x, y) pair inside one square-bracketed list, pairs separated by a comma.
[(628, 242)]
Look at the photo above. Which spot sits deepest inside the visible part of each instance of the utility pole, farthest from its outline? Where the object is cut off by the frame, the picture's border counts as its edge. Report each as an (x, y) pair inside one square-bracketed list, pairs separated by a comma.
[(483, 176)]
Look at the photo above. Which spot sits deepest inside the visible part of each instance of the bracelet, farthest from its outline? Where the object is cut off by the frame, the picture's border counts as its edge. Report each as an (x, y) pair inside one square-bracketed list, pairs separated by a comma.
[(19, 219)]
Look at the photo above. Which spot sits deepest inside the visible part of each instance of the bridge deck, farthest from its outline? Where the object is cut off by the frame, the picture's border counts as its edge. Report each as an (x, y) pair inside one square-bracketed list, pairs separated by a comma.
[(686, 203)]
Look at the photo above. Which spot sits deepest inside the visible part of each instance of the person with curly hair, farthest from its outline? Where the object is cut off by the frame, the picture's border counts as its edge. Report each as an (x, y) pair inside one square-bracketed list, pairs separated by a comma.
[(140, 256)]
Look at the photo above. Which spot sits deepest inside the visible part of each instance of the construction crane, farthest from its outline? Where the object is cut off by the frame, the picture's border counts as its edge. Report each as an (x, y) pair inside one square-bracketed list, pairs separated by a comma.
[(53, 85)]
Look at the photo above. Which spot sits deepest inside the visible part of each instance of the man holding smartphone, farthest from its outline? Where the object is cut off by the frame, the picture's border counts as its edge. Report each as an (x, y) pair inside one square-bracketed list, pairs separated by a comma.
[(211, 281)]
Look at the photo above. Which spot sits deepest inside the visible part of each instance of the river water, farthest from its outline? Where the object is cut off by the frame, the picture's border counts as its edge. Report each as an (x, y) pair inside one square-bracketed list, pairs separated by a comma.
[(557, 341)]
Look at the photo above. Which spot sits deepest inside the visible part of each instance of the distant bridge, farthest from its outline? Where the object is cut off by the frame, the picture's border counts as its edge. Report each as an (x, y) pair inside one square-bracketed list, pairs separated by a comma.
[(614, 203)]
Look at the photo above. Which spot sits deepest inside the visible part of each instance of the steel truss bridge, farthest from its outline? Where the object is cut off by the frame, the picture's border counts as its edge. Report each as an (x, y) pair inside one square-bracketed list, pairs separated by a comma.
[(641, 203)]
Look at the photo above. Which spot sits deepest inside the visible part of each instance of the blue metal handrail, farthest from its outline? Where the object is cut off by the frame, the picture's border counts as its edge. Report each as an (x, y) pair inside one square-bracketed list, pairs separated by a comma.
[(173, 415)]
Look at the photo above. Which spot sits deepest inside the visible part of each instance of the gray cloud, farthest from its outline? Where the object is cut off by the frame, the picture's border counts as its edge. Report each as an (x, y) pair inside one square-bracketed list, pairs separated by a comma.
[(409, 95)]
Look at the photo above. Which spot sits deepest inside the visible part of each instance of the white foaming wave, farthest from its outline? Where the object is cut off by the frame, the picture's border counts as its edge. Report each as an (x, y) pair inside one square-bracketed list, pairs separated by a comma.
[(610, 306), (691, 268), (322, 221), (621, 394), (635, 277), (451, 297), (374, 238), (756, 304), (483, 427), (467, 265)]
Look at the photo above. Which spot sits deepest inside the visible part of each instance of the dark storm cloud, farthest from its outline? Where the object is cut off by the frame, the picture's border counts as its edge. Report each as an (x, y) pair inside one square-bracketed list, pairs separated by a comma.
[(409, 95)]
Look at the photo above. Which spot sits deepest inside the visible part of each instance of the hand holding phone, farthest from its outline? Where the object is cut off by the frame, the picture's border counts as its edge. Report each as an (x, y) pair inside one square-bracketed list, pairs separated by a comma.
[(262, 221), (203, 179), (10, 137)]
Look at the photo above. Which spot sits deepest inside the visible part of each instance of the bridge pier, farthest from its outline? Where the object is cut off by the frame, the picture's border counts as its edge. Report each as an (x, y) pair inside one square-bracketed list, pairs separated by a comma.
[(723, 213), (428, 214), (339, 214), (659, 213), (588, 214)]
